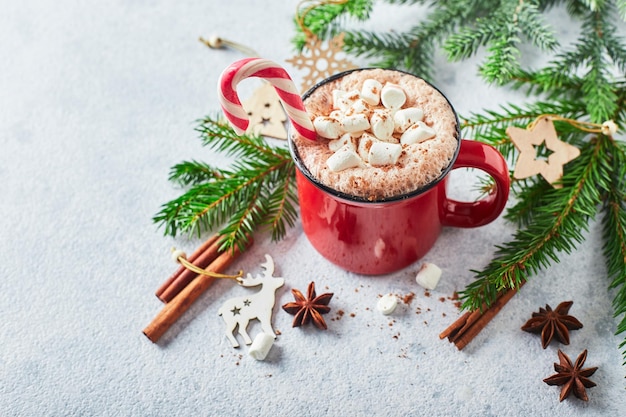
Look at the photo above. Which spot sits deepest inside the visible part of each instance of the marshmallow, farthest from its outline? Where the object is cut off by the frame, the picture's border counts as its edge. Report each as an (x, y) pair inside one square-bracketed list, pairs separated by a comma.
[(327, 127), (335, 114), (365, 144), (261, 346), (344, 140), (344, 158), (392, 96), (387, 304), (343, 100), (354, 123), (383, 153), (417, 133), (404, 118), (428, 276), (382, 124), (370, 92), (359, 106)]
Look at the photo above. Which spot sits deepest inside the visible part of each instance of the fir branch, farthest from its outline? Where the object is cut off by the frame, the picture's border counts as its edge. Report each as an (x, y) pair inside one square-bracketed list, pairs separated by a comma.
[(193, 172), (257, 191), (391, 51), (621, 8), (593, 5), (557, 227), (614, 233), (500, 32), (530, 195)]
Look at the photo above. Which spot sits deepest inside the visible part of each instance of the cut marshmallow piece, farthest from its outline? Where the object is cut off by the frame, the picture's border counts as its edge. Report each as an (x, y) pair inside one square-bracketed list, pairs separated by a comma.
[(370, 92), (384, 153), (261, 346), (404, 118), (417, 133), (382, 124), (392, 96), (365, 144), (387, 304), (344, 158), (428, 276), (355, 123), (327, 127), (345, 140)]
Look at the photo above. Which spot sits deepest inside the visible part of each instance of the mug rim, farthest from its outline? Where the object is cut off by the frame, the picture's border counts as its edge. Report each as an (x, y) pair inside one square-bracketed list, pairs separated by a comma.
[(353, 198)]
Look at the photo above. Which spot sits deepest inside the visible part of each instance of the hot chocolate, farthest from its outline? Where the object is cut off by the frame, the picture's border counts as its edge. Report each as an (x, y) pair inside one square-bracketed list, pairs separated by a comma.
[(381, 134)]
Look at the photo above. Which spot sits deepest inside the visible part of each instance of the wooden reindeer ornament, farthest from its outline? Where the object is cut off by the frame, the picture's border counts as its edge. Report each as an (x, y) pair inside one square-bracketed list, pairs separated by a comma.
[(239, 311)]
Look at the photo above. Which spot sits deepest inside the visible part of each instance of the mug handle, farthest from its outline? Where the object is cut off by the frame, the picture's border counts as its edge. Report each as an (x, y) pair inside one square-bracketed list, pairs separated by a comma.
[(485, 157)]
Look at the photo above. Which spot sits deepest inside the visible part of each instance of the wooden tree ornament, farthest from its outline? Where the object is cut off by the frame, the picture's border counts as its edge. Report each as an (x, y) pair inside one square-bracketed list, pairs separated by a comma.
[(267, 116)]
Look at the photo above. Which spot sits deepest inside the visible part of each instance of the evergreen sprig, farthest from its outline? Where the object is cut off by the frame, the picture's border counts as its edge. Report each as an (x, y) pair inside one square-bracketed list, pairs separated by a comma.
[(257, 191)]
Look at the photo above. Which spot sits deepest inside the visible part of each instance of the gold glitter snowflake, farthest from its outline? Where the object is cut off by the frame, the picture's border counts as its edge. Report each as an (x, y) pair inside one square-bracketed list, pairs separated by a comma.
[(322, 60)]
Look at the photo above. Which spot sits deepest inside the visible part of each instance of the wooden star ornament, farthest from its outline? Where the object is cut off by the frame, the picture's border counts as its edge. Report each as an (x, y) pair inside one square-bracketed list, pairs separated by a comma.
[(527, 141)]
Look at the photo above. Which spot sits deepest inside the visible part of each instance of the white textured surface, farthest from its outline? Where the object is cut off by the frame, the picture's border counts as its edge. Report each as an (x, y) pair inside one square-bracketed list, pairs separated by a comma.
[(97, 101)]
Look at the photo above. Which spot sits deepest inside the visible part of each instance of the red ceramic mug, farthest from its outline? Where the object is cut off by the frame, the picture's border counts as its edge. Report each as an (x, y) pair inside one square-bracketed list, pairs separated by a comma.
[(380, 237)]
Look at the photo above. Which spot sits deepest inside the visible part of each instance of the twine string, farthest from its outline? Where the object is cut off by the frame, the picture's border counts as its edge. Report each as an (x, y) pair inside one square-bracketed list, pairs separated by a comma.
[(182, 259), (301, 15), (608, 128), (215, 42)]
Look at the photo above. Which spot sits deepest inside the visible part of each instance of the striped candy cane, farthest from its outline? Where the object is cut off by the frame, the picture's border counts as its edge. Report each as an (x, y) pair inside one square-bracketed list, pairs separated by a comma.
[(275, 75)]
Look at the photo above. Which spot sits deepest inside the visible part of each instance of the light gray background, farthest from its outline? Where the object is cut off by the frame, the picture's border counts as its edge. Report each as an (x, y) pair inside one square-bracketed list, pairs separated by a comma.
[(97, 102)]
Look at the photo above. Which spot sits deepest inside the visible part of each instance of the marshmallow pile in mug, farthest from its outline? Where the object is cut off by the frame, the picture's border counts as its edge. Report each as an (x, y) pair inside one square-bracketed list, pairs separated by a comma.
[(370, 127)]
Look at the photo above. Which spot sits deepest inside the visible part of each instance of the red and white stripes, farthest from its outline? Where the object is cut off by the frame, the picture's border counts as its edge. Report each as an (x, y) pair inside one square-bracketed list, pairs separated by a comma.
[(275, 75)]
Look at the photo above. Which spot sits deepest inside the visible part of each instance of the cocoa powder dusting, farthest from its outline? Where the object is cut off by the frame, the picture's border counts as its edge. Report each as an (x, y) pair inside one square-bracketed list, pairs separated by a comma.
[(407, 299)]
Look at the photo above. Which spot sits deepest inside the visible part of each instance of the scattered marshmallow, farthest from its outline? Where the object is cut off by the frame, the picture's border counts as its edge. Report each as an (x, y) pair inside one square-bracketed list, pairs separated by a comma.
[(387, 304), (327, 127), (417, 133), (383, 153), (382, 124), (428, 276), (392, 96), (345, 140), (355, 123), (261, 346), (404, 118), (370, 92), (344, 158)]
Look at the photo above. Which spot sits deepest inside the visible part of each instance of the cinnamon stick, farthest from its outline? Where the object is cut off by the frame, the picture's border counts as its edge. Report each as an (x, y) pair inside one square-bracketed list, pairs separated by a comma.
[(469, 325), (203, 260), (173, 310)]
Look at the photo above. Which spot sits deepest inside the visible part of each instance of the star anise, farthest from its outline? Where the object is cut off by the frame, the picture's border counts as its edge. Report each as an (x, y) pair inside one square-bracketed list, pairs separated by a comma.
[(572, 376), (311, 308), (552, 323)]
